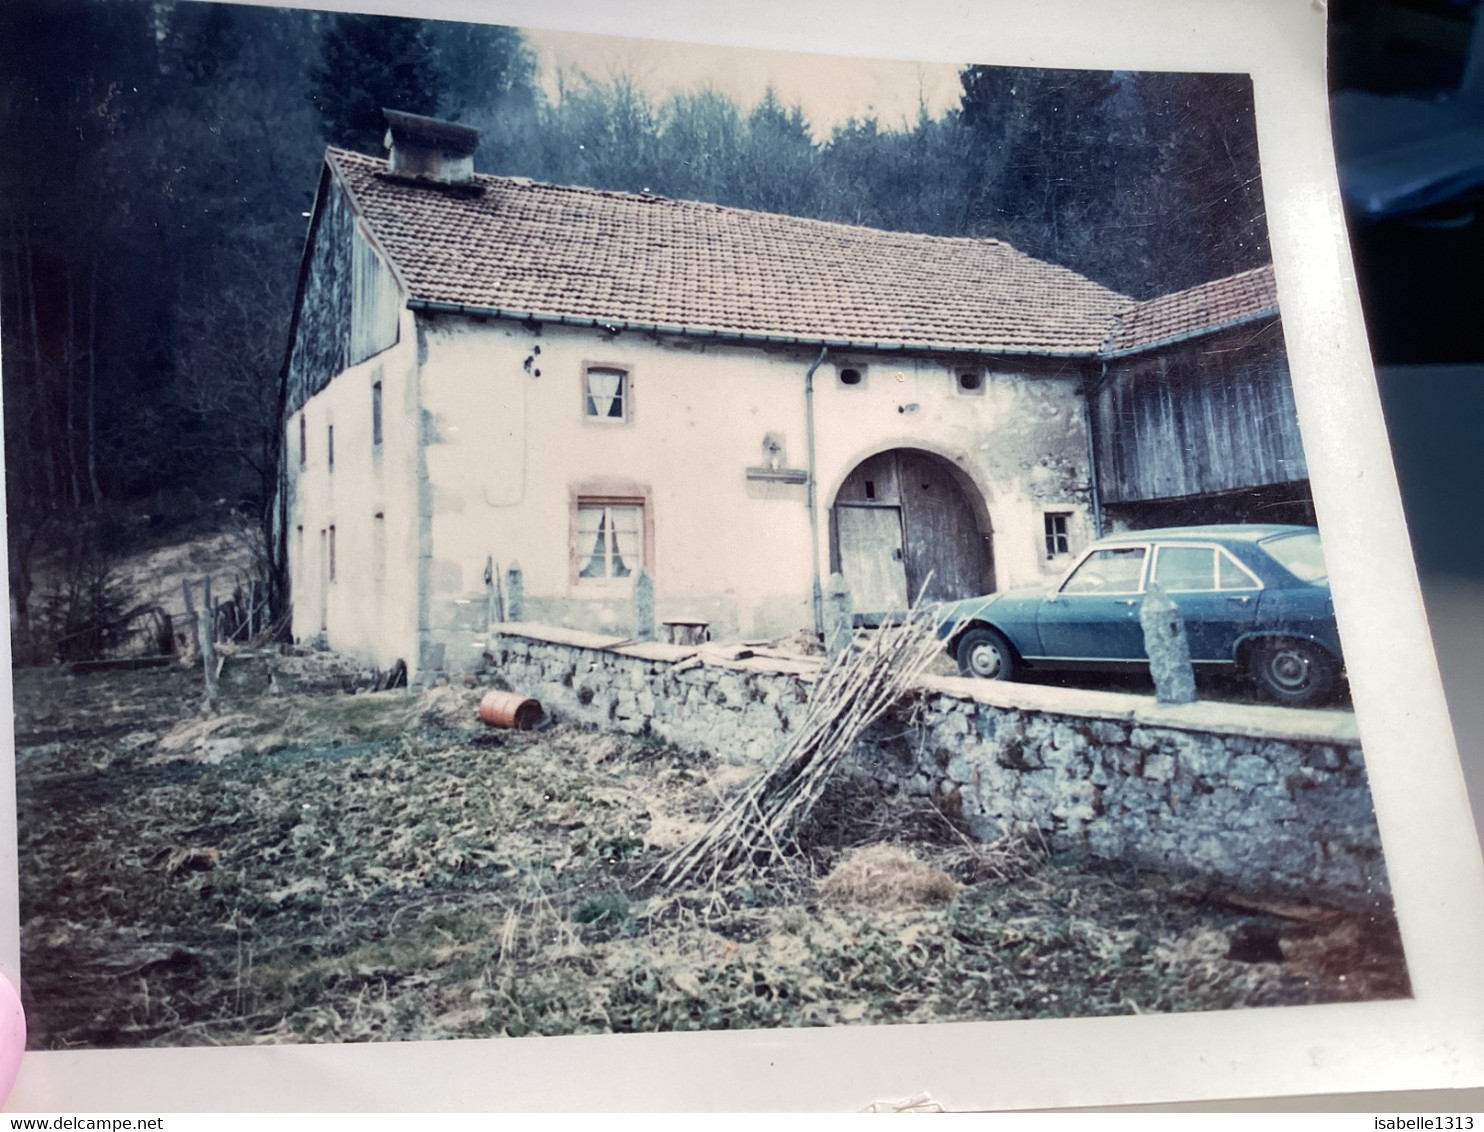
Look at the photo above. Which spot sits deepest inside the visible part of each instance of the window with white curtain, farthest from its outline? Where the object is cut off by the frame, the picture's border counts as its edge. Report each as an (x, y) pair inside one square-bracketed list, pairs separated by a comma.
[(606, 394), (609, 540)]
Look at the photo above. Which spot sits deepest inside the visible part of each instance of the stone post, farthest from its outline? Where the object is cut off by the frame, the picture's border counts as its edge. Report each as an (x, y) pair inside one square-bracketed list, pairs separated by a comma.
[(1168, 647), (515, 594), (644, 623), (839, 617)]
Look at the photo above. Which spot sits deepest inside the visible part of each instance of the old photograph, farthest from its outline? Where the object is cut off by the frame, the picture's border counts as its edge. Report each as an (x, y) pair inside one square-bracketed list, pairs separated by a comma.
[(517, 533)]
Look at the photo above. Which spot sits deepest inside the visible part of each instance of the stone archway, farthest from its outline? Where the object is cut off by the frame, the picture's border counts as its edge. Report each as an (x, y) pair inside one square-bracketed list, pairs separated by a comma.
[(904, 518)]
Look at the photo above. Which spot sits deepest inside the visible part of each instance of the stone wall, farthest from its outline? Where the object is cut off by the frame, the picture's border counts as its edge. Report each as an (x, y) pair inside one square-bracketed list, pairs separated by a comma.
[(1259, 798)]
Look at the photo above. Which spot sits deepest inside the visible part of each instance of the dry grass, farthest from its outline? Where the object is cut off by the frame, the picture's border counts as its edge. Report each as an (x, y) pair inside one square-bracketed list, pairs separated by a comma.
[(378, 867), (887, 877)]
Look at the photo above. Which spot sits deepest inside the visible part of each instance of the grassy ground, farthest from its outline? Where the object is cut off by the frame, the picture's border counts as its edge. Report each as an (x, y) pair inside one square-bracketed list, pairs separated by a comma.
[(316, 866)]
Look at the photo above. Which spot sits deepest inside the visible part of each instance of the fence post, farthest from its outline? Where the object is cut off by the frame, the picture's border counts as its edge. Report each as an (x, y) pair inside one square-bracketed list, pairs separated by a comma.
[(495, 614), (202, 621), (1168, 647)]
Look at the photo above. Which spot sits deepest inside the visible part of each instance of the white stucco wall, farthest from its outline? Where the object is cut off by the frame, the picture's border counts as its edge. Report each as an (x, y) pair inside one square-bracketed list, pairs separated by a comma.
[(370, 609), (508, 450)]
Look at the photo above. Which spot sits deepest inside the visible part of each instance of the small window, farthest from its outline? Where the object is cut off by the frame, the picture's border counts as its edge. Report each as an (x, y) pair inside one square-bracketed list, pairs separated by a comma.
[(606, 394), (330, 447), (332, 553), (376, 413), (303, 440), (970, 381), (851, 375), (609, 540), (1057, 541)]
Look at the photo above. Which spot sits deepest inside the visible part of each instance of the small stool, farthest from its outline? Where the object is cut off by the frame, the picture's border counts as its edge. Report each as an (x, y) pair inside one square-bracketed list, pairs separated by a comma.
[(684, 631)]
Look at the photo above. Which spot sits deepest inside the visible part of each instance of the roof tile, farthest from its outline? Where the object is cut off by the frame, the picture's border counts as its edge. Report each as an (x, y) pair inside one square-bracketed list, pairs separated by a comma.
[(1197, 310), (526, 247)]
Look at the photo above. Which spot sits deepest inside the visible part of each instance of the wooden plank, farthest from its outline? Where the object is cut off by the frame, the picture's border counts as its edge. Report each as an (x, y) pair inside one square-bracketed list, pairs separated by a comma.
[(1210, 419), (872, 557), (944, 547), (121, 664)]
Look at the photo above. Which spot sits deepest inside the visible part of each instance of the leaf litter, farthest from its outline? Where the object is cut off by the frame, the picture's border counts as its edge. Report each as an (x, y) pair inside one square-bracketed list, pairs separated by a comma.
[(312, 865)]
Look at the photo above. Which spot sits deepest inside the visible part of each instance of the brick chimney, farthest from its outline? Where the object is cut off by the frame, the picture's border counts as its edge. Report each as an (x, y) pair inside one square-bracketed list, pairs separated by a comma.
[(429, 149)]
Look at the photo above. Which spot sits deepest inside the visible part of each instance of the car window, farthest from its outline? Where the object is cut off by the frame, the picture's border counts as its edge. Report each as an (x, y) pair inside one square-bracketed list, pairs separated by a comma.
[(1115, 570), (1233, 575), (1300, 554), (1185, 569)]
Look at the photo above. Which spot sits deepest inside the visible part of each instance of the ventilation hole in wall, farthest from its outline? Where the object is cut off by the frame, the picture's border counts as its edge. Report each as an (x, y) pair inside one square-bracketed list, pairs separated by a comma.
[(850, 377), (970, 381)]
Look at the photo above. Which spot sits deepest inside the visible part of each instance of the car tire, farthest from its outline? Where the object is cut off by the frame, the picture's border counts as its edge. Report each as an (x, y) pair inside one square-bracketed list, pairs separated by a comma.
[(1292, 672), (985, 655)]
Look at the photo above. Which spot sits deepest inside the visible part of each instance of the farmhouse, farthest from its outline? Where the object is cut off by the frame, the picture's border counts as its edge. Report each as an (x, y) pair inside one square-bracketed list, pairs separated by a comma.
[(485, 371)]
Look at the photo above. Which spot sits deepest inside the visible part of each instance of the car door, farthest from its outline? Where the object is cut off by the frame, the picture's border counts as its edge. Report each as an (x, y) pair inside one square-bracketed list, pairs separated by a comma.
[(1216, 594), (1094, 613)]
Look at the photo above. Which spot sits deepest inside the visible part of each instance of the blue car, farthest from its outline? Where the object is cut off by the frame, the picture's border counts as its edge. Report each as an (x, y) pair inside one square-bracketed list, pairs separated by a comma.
[(1255, 600)]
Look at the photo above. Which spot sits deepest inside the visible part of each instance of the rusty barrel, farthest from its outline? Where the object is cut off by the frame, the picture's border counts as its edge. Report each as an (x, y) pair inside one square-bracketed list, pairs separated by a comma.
[(510, 709)]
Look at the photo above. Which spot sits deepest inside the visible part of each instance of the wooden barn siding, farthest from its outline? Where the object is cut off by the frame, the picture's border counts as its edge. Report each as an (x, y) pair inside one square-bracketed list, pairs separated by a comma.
[(349, 309), (1213, 416), (376, 301)]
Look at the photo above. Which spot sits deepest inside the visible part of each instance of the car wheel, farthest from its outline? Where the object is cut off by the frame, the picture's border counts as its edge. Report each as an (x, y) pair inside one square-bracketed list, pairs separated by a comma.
[(985, 654), (1296, 673)]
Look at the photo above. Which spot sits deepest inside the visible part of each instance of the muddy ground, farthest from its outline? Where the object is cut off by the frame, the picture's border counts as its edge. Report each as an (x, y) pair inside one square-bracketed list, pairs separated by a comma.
[(313, 865)]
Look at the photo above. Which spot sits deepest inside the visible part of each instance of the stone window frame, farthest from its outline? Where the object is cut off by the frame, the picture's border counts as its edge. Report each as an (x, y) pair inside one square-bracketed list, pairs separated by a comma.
[(609, 493), (626, 394)]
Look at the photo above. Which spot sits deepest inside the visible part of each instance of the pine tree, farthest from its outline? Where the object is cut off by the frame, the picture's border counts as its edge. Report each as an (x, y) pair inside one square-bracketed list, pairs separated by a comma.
[(371, 63)]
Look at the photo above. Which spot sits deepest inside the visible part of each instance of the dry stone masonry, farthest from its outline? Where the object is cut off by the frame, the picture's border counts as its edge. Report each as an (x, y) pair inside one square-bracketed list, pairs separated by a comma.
[(1256, 797)]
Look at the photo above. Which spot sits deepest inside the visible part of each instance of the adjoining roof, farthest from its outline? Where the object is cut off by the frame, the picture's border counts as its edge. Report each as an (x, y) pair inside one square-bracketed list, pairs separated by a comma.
[(1202, 309), (520, 249)]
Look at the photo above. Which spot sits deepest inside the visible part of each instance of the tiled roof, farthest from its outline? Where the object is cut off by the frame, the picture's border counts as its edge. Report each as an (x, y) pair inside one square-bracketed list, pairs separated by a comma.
[(1198, 310), (523, 248)]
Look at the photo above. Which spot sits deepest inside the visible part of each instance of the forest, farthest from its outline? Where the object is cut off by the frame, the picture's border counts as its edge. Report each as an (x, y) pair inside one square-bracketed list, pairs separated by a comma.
[(157, 168)]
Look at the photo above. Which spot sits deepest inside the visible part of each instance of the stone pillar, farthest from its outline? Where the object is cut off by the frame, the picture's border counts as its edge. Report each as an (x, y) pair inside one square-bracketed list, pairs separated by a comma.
[(839, 617), (515, 594), (644, 623), (1168, 647)]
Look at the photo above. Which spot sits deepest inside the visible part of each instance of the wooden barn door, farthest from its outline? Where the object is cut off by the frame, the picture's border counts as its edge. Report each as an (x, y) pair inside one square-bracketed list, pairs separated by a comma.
[(872, 558), (902, 519)]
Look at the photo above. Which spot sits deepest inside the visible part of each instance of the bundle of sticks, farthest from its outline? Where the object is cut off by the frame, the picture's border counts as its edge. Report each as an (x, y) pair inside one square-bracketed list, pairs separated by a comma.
[(762, 823)]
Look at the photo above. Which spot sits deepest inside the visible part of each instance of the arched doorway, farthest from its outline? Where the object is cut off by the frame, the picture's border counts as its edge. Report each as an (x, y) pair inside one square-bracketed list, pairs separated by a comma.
[(903, 518)]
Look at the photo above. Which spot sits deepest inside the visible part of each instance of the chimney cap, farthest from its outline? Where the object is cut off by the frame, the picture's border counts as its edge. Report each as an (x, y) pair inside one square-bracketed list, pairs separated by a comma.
[(418, 129)]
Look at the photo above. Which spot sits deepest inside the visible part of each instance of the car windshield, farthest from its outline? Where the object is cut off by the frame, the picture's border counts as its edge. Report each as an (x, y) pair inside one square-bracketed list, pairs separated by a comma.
[(1300, 554)]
